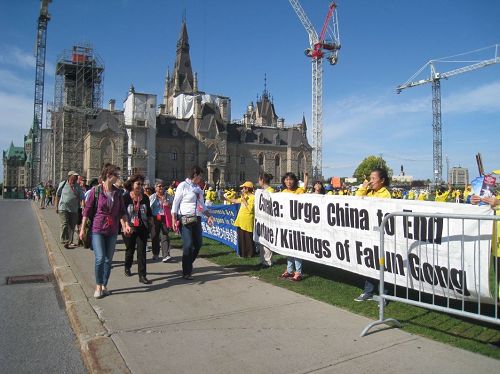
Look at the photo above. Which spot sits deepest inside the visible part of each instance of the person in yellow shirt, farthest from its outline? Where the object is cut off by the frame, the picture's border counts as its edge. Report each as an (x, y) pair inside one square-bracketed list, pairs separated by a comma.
[(291, 185), (266, 255), (244, 220), (411, 194), (422, 196), (210, 196), (442, 194), (375, 187)]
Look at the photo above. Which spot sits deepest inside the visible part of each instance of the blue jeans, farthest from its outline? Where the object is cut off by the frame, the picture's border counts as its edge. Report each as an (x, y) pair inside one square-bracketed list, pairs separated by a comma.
[(290, 262), (104, 248), (191, 244)]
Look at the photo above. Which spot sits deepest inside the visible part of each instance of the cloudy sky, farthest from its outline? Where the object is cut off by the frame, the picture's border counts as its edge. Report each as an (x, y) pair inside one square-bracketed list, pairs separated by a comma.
[(235, 43)]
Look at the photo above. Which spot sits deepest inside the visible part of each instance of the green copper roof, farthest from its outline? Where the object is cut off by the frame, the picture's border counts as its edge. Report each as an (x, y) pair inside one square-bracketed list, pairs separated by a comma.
[(17, 152)]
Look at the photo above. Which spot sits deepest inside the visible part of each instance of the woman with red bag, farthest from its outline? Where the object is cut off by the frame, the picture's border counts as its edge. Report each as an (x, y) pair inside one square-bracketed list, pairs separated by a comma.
[(162, 217)]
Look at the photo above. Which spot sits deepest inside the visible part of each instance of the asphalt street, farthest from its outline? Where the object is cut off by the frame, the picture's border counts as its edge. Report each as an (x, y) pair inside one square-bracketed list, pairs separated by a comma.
[(35, 334)]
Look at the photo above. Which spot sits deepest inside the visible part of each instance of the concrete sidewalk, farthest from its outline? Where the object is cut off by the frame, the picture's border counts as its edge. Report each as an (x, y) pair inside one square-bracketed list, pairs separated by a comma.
[(225, 322)]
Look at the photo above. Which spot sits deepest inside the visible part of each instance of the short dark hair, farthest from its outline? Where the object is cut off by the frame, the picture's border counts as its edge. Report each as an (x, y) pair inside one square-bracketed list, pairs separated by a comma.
[(130, 182), (195, 170), (108, 169)]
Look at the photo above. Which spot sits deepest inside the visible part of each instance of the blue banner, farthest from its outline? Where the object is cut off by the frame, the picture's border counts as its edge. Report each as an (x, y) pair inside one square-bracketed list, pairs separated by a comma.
[(223, 229)]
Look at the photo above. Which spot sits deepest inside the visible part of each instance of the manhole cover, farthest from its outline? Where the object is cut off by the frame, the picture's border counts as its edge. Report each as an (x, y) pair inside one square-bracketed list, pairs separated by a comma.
[(34, 278)]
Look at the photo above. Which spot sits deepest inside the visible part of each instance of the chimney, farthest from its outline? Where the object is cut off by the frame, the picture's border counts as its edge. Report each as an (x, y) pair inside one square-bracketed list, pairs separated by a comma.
[(112, 103)]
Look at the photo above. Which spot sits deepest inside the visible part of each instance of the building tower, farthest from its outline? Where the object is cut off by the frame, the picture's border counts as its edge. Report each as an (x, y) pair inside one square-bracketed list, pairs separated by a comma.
[(78, 96)]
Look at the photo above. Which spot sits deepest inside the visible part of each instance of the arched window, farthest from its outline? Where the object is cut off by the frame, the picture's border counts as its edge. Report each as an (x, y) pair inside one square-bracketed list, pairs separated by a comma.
[(261, 160)]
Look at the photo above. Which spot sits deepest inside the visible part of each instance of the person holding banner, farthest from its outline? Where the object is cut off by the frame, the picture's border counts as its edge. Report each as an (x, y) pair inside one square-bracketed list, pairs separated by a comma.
[(495, 205), (376, 187), (266, 255), (187, 207), (245, 219), (291, 185)]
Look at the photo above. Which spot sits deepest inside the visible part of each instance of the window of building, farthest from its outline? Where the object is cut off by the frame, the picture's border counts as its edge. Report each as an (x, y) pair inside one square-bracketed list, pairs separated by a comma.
[(261, 159), (174, 173), (141, 123), (242, 160), (173, 155), (242, 176)]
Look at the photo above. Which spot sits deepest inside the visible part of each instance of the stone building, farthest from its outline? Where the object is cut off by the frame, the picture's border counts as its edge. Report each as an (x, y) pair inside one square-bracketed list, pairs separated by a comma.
[(196, 128), (189, 127), (14, 171)]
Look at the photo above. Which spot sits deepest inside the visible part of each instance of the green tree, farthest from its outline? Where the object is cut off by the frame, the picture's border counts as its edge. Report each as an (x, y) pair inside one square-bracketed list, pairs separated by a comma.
[(368, 164)]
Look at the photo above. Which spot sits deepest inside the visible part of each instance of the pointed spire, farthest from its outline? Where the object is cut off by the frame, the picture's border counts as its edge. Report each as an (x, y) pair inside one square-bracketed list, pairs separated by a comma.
[(166, 88), (183, 72), (265, 94)]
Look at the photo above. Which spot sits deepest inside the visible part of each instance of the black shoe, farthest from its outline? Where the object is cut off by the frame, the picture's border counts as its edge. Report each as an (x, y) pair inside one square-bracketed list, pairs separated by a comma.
[(128, 273), (144, 280)]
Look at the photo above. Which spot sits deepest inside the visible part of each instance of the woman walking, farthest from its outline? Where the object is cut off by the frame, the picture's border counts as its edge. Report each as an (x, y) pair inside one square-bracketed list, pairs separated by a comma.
[(187, 207), (161, 209), (106, 209), (140, 220)]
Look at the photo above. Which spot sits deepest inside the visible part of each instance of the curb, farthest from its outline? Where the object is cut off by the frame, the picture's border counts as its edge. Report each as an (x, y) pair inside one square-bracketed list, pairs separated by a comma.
[(99, 352)]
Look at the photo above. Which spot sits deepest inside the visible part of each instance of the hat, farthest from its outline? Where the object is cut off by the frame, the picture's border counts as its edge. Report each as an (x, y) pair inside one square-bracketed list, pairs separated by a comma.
[(247, 184), (72, 172)]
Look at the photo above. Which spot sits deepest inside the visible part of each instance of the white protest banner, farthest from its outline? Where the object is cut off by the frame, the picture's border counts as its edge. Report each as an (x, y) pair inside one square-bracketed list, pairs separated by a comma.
[(342, 231)]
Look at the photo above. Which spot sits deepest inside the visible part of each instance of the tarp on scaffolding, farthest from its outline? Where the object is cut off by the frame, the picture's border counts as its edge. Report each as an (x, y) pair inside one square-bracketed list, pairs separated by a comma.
[(183, 107)]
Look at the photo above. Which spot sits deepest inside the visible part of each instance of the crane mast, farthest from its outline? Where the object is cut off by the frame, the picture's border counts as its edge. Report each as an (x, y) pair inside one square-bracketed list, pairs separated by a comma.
[(317, 48), (41, 42), (435, 80)]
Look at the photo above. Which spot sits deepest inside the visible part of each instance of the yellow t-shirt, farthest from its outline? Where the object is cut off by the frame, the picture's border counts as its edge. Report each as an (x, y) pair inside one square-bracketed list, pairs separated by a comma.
[(245, 218), (382, 193), (297, 191), (442, 197)]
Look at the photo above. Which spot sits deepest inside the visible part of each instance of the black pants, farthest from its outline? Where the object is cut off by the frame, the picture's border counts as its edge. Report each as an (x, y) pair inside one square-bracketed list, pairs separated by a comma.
[(161, 239), (138, 239), (191, 244)]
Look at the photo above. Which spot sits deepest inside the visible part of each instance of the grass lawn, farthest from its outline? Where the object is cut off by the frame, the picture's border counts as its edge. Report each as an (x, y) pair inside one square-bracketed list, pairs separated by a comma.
[(338, 287)]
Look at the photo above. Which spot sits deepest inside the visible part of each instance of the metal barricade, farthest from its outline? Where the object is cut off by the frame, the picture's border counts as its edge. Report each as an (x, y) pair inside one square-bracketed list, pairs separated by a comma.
[(481, 309)]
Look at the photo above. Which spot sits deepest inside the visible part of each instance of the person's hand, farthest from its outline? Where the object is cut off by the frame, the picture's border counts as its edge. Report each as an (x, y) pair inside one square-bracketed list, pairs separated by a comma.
[(126, 229), (210, 221), (366, 184), (81, 234), (492, 200), (474, 199)]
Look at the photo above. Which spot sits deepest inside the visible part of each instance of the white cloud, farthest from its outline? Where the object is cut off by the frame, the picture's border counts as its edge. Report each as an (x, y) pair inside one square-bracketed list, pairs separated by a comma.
[(14, 56), (485, 98), (10, 81)]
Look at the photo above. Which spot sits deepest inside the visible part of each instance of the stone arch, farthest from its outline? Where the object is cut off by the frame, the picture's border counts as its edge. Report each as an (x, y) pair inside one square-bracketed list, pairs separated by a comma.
[(277, 167)]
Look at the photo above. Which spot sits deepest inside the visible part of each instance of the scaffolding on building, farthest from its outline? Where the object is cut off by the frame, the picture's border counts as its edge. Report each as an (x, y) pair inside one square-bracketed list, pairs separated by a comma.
[(78, 96)]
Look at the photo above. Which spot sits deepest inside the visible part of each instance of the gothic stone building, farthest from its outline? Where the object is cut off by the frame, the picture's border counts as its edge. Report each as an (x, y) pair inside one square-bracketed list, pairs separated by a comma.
[(190, 128), (196, 128)]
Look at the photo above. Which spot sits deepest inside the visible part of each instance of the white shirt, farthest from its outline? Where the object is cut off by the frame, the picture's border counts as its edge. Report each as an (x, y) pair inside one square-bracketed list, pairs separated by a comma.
[(188, 199)]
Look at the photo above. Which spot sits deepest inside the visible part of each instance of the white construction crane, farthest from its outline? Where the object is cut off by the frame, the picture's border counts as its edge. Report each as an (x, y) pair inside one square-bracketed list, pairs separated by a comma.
[(319, 47), (435, 78)]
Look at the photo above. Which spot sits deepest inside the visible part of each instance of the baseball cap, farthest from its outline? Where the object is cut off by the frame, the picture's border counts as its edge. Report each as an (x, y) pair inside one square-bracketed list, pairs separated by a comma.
[(247, 184), (72, 172)]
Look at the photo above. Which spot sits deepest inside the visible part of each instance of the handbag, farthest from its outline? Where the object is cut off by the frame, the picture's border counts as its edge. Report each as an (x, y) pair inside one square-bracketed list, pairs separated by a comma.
[(189, 219), (87, 234), (87, 230)]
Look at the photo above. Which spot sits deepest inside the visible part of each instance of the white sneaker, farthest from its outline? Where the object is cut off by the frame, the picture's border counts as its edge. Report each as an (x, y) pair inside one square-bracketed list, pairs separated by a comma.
[(98, 294), (166, 259)]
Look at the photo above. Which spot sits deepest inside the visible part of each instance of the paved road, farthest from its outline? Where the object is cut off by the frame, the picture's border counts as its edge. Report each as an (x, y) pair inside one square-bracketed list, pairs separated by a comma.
[(35, 336)]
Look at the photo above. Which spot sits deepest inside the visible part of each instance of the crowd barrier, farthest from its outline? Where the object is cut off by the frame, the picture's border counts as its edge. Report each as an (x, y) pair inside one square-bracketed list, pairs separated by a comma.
[(446, 290)]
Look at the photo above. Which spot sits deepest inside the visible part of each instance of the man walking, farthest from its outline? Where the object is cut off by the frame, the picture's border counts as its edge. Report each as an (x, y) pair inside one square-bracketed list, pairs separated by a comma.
[(68, 197)]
